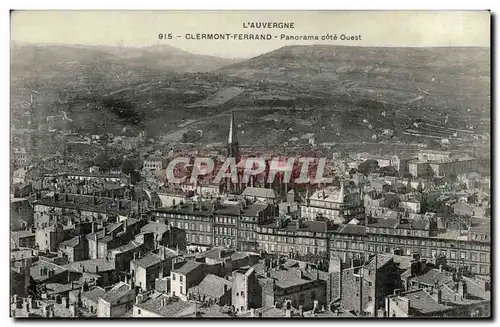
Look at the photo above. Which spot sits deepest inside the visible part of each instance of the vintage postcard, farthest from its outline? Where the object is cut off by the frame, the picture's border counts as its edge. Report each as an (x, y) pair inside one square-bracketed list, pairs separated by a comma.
[(250, 164)]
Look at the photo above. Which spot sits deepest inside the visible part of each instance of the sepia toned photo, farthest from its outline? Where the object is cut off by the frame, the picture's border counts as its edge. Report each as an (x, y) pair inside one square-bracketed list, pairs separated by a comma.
[(250, 164)]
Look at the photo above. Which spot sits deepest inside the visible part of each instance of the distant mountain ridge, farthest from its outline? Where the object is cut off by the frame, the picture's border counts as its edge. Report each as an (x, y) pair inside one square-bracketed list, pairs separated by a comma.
[(163, 57)]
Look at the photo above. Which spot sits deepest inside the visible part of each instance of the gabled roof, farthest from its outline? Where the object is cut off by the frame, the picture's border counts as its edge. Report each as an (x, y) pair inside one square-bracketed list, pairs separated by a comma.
[(259, 192), (423, 302), (149, 260), (119, 291), (171, 308), (94, 294), (155, 227), (90, 266), (212, 286), (188, 267), (35, 270), (433, 276), (72, 242)]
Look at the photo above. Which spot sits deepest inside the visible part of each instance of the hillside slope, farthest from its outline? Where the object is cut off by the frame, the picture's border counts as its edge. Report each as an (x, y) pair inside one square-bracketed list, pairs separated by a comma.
[(438, 78)]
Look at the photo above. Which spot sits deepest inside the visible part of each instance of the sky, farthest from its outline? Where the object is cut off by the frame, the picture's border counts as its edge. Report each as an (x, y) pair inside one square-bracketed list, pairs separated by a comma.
[(141, 28)]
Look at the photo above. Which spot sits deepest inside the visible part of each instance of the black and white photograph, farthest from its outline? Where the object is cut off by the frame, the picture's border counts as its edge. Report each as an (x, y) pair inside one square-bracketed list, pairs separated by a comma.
[(240, 164)]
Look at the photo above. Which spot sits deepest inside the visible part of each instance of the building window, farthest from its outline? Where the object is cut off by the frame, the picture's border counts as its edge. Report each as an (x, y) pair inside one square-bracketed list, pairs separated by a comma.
[(369, 298), (181, 279), (462, 255), (173, 276), (453, 254), (483, 257), (242, 293), (180, 290)]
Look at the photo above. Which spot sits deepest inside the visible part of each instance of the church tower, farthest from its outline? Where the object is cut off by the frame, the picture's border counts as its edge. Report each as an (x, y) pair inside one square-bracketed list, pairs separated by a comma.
[(233, 149)]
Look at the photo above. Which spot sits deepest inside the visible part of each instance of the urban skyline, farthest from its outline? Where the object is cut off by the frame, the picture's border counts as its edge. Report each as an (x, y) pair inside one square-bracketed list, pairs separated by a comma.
[(311, 181)]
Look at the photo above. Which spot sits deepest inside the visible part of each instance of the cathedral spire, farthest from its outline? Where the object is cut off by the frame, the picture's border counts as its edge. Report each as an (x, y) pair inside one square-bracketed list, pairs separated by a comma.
[(233, 150), (232, 130)]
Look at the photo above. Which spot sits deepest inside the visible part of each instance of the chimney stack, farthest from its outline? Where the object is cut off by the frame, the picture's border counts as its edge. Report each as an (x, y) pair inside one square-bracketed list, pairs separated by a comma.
[(437, 295), (72, 309), (138, 298), (462, 290), (65, 302)]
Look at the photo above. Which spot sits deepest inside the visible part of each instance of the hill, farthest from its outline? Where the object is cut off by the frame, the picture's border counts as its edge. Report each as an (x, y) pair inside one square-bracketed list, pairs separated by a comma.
[(340, 94), (125, 85), (447, 80), (163, 57)]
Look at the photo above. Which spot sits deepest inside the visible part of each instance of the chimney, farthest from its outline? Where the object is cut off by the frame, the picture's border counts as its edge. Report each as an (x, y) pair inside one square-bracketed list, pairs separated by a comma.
[(252, 312), (65, 302), (96, 268), (301, 310), (135, 256), (26, 306), (72, 309), (398, 291), (315, 305), (288, 313), (437, 295), (138, 298), (462, 290), (440, 268), (51, 311)]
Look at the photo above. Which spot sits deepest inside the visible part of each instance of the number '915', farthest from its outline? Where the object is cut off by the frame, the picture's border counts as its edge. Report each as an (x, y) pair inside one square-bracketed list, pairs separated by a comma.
[(165, 36)]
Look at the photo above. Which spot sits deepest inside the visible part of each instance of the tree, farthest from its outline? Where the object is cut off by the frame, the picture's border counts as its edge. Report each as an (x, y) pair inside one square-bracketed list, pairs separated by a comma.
[(368, 166), (127, 167), (102, 161)]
